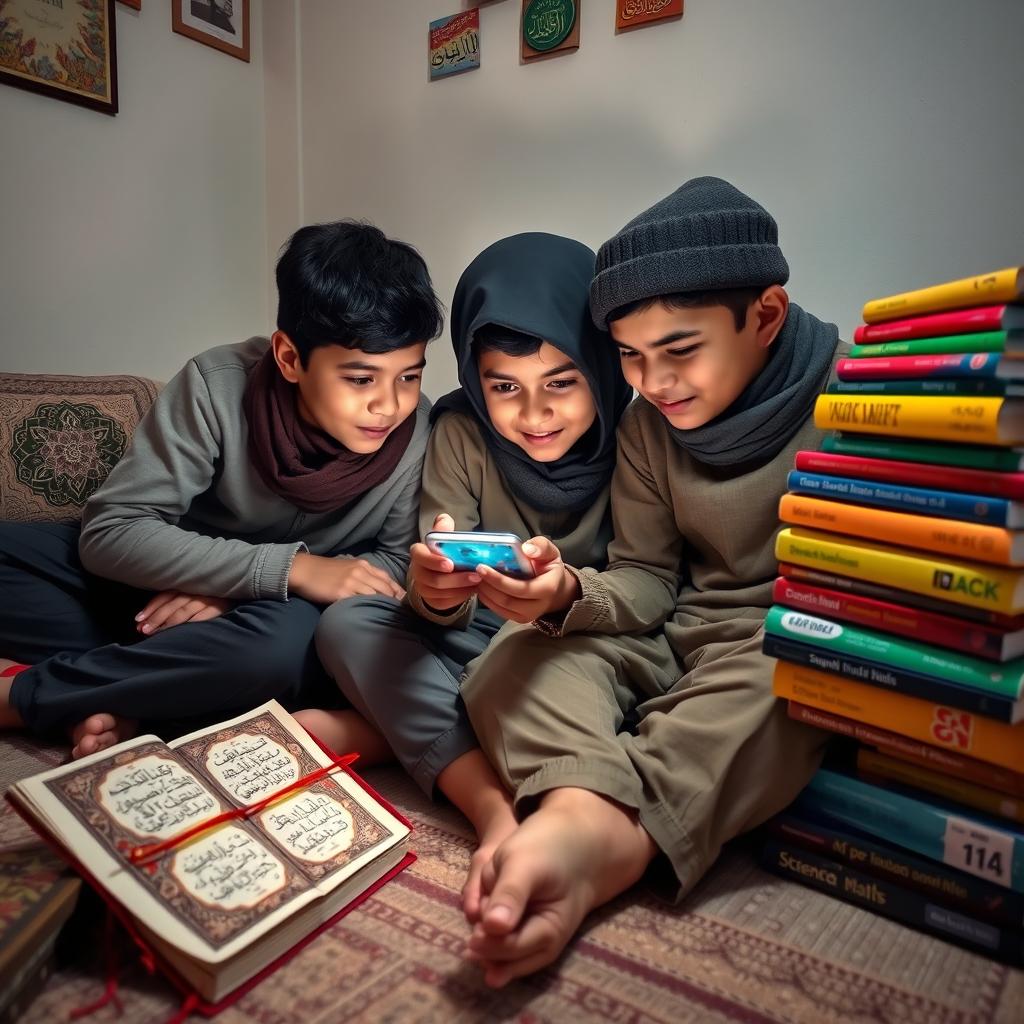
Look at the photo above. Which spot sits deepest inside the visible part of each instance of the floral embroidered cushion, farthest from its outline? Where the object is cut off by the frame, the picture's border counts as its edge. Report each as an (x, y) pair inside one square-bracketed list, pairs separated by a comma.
[(59, 438)]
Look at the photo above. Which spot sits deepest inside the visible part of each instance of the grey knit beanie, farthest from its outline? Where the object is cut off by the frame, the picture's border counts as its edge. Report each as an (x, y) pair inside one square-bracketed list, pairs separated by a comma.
[(706, 235)]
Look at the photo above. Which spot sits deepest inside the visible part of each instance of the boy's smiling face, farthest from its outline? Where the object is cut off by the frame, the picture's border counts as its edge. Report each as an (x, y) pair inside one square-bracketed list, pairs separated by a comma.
[(540, 402), (359, 398), (692, 363)]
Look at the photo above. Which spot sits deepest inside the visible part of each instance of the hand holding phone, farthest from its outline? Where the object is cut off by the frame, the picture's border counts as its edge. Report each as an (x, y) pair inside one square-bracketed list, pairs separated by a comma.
[(434, 576), (551, 587)]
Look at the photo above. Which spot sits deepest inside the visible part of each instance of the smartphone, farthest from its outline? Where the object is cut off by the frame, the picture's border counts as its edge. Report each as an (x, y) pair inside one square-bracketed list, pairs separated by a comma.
[(501, 551)]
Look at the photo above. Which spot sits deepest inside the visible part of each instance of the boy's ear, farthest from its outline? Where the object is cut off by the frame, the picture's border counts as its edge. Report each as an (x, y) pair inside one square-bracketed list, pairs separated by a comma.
[(286, 355), (770, 312)]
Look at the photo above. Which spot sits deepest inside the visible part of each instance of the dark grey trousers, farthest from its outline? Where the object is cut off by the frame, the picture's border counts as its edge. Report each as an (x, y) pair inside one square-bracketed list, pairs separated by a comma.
[(402, 673), (77, 632)]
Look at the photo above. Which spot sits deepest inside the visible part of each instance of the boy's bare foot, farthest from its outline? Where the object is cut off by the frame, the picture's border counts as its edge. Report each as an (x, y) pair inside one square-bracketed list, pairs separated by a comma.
[(346, 732), (573, 854), (9, 718), (473, 786), (97, 732), (492, 831)]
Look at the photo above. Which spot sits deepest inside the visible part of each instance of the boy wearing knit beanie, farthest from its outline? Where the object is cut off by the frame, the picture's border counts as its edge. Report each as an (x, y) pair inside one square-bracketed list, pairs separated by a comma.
[(636, 725)]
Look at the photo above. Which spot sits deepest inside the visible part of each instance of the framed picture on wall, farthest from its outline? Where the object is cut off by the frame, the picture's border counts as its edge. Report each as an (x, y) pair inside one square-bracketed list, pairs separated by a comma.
[(63, 50), (222, 24)]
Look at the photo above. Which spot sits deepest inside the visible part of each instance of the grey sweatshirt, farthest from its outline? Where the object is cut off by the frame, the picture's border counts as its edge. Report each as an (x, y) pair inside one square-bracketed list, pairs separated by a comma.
[(186, 510)]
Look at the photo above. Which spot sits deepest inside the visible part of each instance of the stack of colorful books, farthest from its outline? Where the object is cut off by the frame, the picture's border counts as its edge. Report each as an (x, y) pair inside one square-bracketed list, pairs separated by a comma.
[(899, 619)]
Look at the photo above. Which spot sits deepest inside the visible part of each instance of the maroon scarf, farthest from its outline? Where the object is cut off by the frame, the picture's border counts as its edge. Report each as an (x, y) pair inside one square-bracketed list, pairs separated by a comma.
[(301, 463)]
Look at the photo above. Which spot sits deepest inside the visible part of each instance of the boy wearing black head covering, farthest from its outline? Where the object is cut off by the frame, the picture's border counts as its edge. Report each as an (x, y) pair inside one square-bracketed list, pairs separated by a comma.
[(637, 721), (526, 445)]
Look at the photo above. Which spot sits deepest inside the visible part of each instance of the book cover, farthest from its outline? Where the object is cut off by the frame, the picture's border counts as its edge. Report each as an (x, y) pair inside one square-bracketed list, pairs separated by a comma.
[(944, 631), (876, 767), (945, 832), (960, 387), (284, 838), (913, 751), (968, 583), (970, 420), (895, 680), (953, 729), (896, 596), (976, 319), (999, 286), (879, 859), (940, 365), (37, 895), (956, 538), (976, 482), (980, 457), (1004, 679), (974, 508), (1010, 342), (890, 900)]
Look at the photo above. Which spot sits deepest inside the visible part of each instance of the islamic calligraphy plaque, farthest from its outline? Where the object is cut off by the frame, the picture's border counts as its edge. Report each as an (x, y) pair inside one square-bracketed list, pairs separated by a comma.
[(634, 13), (455, 44), (550, 27)]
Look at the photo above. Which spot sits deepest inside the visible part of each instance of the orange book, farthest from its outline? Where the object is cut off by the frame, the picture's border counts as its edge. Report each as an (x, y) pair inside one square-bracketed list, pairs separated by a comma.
[(979, 542), (973, 735)]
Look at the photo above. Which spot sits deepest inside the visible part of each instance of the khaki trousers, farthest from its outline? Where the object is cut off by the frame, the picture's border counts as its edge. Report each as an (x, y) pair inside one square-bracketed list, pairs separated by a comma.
[(701, 756)]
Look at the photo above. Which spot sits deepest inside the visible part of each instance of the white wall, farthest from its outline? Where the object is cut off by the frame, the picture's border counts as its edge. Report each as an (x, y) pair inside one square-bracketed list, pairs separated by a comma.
[(129, 243), (884, 136)]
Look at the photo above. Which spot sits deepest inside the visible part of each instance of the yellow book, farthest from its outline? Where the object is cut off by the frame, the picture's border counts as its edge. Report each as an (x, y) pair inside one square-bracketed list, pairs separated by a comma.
[(872, 763), (969, 583), (984, 289), (951, 728), (963, 418)]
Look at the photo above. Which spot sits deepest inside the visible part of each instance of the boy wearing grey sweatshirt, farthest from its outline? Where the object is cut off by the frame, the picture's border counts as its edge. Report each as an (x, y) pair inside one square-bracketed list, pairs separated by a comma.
[(269, 479)]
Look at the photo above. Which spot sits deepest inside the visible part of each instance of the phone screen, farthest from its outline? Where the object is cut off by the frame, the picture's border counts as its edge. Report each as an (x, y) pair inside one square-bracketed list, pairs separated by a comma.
[(467, 556)]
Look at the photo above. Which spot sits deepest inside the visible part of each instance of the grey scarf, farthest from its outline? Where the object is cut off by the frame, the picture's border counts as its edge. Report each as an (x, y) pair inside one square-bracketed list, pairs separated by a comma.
[(759, 424)]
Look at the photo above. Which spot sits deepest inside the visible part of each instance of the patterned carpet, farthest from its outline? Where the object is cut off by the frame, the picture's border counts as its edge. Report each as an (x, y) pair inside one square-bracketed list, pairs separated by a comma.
[(746, 947)]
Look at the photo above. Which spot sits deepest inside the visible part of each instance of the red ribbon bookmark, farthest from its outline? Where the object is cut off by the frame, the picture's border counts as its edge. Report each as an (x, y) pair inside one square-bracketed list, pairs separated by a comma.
[(141, 855)]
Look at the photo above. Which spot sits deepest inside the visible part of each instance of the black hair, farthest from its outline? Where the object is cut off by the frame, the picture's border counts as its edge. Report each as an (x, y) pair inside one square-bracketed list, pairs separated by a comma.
[(347, 284), (736, 300), (494, 338)]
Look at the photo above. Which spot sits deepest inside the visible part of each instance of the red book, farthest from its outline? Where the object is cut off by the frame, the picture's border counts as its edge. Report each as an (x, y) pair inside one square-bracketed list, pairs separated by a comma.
[(879, 592), (915, 474), (937, 366), (959, 321), (914, 623), (907, 749)]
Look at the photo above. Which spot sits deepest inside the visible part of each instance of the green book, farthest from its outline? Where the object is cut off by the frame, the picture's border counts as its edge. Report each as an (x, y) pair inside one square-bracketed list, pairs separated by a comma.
[(1005, 679), (971, 456), (986, 341)]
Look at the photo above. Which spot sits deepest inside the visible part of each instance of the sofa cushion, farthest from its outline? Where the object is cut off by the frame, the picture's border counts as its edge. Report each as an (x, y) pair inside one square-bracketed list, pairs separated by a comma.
[(59, 438)]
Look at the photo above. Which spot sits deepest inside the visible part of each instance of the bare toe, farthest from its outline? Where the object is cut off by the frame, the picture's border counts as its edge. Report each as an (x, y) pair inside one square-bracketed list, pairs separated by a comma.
[(97, 732)]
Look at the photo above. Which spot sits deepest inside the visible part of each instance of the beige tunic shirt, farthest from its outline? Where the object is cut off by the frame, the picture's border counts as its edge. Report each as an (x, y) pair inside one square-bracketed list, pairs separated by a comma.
[(693, 545)]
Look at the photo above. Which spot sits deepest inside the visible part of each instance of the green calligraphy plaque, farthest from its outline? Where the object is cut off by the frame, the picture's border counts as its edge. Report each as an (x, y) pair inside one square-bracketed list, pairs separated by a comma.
[(546, 23)]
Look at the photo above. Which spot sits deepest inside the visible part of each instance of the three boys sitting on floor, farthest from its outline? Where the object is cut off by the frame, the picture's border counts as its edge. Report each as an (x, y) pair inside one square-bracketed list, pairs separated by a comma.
[(612, 712)]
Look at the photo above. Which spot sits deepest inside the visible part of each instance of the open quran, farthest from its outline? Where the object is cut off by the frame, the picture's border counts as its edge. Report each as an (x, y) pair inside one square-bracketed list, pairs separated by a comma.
[(222, 850)]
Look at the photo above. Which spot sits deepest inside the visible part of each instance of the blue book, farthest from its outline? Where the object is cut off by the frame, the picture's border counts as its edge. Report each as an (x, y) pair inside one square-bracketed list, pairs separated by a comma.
[(891, 900), (943, 884), (896, 678), (935, 828), (972, 508)]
